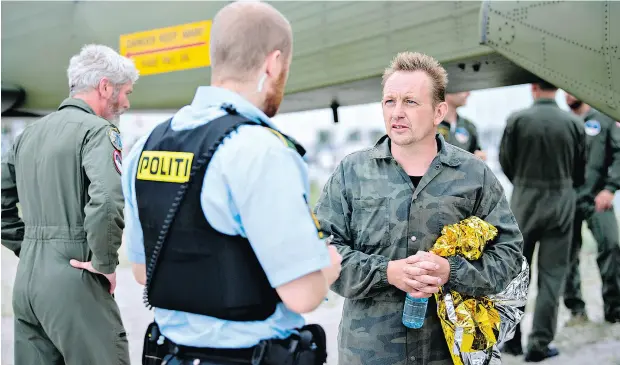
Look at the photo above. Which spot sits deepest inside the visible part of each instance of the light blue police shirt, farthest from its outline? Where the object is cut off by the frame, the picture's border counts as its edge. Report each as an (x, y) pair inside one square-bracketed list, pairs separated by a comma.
[(254, 187)]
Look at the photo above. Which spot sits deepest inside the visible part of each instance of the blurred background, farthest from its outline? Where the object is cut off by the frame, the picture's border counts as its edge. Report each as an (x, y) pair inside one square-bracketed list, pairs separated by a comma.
[(491, 48), (327, 143)]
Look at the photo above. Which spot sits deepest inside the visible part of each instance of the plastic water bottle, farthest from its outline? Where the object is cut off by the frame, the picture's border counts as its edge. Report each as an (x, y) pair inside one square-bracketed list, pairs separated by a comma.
[(414, 311)]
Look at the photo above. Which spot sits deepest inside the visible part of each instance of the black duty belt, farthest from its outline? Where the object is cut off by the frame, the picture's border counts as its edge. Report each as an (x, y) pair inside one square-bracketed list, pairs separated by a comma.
[(306, 348), (240, 356)]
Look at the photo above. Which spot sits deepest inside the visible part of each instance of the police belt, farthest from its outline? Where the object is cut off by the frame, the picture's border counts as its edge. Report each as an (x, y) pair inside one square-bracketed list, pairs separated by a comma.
[(241, 356), (309, 347)]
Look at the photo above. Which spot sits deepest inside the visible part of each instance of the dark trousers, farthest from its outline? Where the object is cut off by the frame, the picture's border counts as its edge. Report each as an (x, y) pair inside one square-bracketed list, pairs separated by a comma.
[(604, 228), (546, 218)]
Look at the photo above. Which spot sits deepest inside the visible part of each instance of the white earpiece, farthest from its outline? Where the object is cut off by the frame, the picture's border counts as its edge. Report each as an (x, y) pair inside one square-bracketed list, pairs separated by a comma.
[(261, 82)]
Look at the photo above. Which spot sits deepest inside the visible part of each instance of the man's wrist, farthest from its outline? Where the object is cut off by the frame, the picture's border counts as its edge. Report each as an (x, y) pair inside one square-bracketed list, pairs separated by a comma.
[(104, 267)]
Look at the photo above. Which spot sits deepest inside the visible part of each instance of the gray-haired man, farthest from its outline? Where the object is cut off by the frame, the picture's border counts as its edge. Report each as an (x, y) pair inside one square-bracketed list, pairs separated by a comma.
[(64, 170)]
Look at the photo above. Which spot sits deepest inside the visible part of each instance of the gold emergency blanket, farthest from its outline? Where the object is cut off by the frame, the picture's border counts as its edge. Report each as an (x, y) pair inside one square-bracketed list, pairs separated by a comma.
[(469, 323)]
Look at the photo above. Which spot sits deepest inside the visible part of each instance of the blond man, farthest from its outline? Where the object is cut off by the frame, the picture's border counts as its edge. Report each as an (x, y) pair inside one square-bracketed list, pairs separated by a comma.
[(386, 206)]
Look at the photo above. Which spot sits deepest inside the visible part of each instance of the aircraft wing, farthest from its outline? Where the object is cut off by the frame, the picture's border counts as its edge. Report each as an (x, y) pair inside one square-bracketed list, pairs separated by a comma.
[(340, 48), (572, 44)]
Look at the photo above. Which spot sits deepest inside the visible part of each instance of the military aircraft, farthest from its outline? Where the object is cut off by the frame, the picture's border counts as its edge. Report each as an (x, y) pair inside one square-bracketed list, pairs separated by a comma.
[(340, 49)]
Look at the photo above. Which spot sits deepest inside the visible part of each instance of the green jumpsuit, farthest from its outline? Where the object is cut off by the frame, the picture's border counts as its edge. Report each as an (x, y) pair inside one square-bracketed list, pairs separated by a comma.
[(602, 173), (64, 171), (542, 152), (462, 134)]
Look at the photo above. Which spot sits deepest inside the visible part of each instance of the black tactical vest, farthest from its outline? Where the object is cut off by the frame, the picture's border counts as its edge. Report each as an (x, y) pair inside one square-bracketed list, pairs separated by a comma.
[(198, 269)]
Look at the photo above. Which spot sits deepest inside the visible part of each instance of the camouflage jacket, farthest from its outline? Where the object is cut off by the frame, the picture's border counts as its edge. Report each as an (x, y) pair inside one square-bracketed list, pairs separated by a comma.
[(370, 206)]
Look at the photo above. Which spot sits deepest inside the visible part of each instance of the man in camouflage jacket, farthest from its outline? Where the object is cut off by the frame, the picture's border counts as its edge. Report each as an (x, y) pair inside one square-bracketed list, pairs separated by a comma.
[(386, 206)]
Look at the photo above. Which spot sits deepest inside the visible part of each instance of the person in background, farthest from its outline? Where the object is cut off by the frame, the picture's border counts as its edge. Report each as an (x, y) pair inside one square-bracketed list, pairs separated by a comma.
[(460, 131), (596, 208), (64, 170), (542, 153)]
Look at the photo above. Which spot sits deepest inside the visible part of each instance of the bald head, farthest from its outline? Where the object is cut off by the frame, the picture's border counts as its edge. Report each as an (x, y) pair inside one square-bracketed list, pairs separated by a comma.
[(243, 34)]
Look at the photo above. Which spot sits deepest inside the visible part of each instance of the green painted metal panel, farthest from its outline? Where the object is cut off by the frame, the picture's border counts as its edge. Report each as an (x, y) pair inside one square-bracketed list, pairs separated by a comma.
[(572, 44), (335, 42), (341, 47)]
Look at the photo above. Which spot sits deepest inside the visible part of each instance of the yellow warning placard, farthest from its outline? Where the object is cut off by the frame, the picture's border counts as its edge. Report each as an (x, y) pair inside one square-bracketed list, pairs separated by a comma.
[(176, 48)]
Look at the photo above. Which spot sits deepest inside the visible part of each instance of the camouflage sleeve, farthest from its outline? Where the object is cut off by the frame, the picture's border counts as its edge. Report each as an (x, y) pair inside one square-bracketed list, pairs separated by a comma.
[(613, 178), (362, 275), (103, 220), (12, 224), (506, 149), (502, 259)]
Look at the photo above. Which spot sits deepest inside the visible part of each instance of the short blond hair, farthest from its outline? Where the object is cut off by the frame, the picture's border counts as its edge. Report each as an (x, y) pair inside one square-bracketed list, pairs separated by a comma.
[(243, 34), (415, 61)]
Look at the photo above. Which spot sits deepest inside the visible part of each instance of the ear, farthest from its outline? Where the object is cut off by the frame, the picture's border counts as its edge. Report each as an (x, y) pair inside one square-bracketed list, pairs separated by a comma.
[(274, 64), (440, 112), (105, 88)]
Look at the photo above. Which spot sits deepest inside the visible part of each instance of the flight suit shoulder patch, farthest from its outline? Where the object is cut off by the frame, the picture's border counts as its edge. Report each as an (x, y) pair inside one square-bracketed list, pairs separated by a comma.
[(115, 138), (118, 160), (462, 135), (593, 127), (444, 129)]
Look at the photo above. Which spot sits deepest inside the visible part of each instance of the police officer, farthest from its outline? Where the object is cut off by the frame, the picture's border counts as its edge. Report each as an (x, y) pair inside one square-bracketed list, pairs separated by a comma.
[(457, 130), (218, 224), (64, 170), (597, 194), (542, 153)]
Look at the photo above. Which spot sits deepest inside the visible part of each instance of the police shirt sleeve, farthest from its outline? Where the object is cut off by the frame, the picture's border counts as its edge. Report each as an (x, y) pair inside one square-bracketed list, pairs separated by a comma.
[(362, 275), (133, 234), (266, 183), (103, 220), (12, 224), (613, 179), (501, 260)]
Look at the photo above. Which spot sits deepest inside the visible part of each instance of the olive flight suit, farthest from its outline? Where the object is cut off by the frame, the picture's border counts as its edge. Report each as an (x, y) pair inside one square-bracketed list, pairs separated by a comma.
[(64, 170), (462, 134), (602, 173), (542, 153)]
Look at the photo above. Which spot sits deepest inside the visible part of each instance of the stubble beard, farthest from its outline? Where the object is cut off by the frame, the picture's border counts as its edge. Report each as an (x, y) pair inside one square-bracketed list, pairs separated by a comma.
[(274, 99), (412, 139)]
